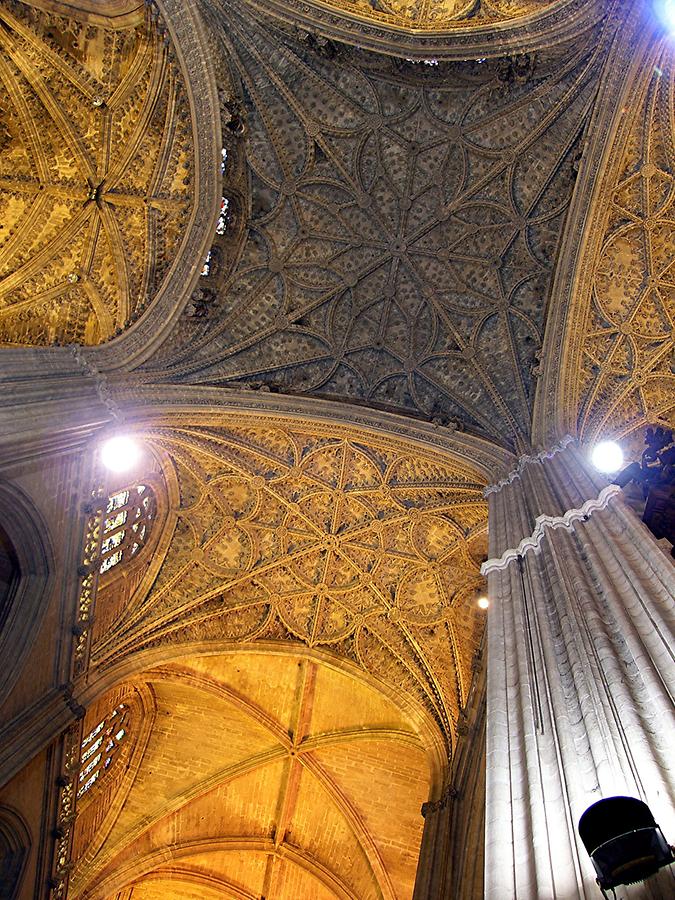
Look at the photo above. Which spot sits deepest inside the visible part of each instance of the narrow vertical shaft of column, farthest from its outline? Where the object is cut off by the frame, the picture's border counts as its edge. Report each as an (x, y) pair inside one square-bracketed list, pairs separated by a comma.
[(581, 675)]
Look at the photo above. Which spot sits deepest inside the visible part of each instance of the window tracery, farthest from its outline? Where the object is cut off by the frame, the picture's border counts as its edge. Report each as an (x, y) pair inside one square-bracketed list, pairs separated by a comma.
[(100, 746), (126, 525)]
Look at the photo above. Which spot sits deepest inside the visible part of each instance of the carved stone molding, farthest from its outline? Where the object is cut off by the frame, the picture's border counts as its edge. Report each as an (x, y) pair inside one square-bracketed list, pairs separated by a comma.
[(526, 460), (548, 523), (449, 30)]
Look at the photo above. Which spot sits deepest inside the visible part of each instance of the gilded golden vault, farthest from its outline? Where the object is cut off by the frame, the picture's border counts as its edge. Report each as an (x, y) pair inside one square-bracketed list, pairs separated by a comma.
[(96, 180)]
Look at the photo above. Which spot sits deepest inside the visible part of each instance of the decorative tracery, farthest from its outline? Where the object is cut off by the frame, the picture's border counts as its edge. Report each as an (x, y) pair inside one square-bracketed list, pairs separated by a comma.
[(366, 548), (403, 225), (126, 525)]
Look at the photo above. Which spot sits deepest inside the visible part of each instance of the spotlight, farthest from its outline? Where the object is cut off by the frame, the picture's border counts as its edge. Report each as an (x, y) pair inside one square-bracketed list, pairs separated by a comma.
[(624, 842), (483, 602), (119, 454), (607, 457), (665, 10)]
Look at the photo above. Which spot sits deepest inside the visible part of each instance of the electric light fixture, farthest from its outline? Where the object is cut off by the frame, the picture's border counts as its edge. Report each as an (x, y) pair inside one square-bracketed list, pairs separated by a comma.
[(120, 453), (665, 10), (483, 602), (607, 457)]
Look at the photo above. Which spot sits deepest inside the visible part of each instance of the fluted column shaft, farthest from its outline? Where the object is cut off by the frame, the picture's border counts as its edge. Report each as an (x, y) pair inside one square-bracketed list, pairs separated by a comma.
[(580, 675)]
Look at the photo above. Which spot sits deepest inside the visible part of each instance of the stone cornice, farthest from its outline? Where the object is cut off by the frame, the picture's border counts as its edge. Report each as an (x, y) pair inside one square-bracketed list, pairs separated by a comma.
[(528, 460), (562, 22), (547, 523)]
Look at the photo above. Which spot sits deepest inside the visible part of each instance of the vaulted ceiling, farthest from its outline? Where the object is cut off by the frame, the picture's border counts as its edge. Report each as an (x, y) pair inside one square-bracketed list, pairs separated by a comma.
[(404, 224), (366, 548), (95, 171), (295, 647), (618, 371), (417, 235), (256, 775), (461, 244), (436, 15)]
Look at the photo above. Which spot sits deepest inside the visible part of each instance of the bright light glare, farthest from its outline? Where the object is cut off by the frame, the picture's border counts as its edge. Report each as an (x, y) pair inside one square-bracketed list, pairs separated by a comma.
[(483, 602), (665, 10), (119, 454), (607, 457)]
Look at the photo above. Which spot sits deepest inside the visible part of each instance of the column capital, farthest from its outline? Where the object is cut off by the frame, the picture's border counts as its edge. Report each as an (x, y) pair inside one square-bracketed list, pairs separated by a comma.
[(547, 523), (529, 459)]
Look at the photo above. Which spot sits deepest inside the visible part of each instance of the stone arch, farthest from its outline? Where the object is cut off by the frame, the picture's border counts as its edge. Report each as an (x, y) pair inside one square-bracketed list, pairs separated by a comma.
[(606, 353), (28, 537), (456, 31), (15, 845)]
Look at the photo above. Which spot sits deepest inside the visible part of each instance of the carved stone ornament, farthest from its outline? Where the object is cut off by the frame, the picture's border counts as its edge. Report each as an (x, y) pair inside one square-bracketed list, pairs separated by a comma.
[(403, 227)]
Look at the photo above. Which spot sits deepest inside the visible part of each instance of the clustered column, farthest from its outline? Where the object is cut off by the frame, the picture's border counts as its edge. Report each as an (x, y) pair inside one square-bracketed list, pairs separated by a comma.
[(580, 675)]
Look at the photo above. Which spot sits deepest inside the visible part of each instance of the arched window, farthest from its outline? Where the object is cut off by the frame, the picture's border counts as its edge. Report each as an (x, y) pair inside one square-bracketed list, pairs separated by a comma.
[(100, 747), (126, 524), (224, 216)]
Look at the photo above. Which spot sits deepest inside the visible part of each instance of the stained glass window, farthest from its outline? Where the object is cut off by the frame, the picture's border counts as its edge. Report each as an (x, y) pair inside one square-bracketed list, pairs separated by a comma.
[(223, 160), (222, 218), (100, 746), (126, 525), (206, 268)]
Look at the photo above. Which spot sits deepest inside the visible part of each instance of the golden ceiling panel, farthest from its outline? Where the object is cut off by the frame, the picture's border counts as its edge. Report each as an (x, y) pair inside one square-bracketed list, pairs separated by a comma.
[(241, 784), (367, 549), (624, 343), (95, 174), (437, 15)]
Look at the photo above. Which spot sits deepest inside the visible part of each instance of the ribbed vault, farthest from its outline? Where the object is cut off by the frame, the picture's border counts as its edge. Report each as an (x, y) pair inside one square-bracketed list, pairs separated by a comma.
[(96, 181), (403, 226), (263, 774), (321, 536), (617, 329), (437, 15)]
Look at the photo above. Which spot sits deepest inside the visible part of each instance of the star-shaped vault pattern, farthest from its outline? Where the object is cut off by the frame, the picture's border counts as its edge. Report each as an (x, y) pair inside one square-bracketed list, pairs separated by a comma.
[(367, 549), (96, 180), (403, 225)]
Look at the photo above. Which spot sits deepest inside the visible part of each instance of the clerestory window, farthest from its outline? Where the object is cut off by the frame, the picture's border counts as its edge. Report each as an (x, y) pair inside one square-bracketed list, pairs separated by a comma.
[(100, 747), (126, 525)]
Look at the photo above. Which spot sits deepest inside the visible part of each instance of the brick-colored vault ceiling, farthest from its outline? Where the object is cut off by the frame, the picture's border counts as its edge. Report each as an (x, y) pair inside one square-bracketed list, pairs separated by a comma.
[(325, 538), (258, 775), (95, 174), (437, 15), (619, 370), (403, 228)]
